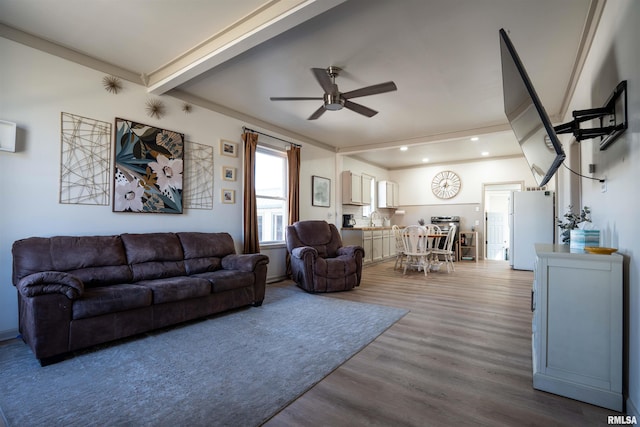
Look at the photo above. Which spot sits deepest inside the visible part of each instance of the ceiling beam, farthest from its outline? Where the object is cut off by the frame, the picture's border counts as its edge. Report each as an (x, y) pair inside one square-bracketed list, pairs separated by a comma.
[(588, 33), (52, 48), (272, 19)]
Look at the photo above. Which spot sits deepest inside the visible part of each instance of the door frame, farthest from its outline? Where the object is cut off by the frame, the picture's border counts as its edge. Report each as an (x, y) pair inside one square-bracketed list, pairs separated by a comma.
[(489, 186)]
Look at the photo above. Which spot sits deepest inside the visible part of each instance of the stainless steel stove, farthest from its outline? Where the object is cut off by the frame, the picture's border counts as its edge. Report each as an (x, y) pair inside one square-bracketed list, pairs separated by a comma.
[(445, 223)]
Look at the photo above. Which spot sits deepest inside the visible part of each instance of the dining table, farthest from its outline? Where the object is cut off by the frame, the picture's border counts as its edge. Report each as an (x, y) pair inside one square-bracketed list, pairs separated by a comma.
[(433, 240)]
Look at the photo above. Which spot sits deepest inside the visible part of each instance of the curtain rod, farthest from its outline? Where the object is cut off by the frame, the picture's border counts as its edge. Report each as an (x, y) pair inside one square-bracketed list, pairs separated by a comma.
[(244, 129)]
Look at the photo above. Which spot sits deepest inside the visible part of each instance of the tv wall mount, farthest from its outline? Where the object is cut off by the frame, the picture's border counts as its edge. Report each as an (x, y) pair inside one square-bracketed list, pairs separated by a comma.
[(612, 116)]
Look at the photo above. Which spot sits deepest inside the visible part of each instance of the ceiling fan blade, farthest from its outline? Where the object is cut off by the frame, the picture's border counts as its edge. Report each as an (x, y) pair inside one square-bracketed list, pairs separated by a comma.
[(323, 78), (296, 98), (371, 90), (365, 111), (320, 111)]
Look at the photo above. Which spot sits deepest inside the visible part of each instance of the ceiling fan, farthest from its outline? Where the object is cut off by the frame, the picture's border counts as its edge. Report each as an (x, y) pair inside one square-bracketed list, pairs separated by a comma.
[(334, 99)]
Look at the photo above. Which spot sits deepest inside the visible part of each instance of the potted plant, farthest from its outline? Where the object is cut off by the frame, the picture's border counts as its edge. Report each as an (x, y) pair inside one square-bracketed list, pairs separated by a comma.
[(571, 220)]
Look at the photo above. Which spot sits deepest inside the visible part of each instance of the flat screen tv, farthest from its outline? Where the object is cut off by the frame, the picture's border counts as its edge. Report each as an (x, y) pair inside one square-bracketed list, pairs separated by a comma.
[(527, 116)]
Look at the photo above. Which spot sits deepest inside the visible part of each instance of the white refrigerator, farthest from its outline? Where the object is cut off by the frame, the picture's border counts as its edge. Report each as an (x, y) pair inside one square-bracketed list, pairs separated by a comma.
[(531, 221)]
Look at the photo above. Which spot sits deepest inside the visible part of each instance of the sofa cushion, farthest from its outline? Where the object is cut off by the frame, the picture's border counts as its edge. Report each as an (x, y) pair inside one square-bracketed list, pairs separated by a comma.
[(110, 299), (176, 288), (226, 280), (31, 255), (154, 255), (204, 251), (96, 260)]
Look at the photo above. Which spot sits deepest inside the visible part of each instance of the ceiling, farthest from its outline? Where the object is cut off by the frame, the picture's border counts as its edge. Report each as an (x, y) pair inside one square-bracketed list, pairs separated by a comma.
[(232, 56)]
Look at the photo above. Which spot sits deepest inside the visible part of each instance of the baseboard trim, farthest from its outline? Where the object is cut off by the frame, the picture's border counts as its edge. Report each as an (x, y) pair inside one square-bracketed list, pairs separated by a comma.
[(631, 409), (8, 334)]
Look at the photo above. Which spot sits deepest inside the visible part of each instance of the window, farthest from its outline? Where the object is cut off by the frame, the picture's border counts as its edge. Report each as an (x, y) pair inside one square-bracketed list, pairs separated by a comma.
[(271, 194), (278, 227), (367, 209)]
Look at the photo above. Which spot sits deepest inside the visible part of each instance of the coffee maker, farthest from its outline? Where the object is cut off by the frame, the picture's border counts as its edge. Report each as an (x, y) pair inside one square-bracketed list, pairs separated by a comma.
[(348, 221)]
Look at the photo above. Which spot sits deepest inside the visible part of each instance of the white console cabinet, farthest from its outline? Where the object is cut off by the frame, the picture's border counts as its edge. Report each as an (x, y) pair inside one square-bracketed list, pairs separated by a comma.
[(577, 325)]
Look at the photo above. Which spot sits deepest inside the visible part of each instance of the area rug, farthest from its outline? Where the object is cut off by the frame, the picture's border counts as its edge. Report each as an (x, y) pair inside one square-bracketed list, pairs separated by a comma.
[(235, 369)]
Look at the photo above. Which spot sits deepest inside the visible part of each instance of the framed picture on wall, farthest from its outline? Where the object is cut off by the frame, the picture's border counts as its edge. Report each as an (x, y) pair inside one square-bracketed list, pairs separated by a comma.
[(228, 173), (320, 191), (228, 196), (228, 148), (148, 169)]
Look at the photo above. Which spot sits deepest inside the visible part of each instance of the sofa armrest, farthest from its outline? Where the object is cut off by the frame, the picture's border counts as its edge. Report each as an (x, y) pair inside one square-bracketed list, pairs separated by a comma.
[(244, 262), (304, 251), (51, 282), (350, 250)]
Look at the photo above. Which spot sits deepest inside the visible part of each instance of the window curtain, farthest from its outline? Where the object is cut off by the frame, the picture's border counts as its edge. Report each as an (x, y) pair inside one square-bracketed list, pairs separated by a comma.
[(251, 238), (293, 161), (293, 158)]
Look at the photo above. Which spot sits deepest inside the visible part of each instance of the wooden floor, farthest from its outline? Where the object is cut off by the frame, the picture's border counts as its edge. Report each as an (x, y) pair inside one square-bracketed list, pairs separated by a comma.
[(462, 356)]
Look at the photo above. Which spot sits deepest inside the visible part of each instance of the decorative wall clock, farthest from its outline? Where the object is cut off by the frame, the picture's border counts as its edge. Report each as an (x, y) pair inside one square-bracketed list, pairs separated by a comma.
[(445, 184)]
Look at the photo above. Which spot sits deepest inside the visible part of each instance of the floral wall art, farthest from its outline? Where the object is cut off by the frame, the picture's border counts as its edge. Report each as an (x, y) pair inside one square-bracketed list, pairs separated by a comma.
[(148, 169)]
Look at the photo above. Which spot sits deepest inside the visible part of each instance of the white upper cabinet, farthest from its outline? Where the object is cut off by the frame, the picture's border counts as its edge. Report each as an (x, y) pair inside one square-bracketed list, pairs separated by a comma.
[(388, 194), (351, 188)]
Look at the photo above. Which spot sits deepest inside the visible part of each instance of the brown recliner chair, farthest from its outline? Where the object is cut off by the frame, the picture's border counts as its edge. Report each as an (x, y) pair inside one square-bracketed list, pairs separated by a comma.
[(319, 262)]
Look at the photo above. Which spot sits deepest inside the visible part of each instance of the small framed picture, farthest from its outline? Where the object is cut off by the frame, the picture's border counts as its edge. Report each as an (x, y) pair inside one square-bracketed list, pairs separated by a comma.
[(320, 191), (228, 148), (228, 196), (228, 173)]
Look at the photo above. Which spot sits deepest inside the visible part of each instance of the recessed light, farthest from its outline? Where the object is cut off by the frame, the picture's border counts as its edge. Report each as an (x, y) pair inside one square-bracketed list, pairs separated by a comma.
[(404, 148), (485, 153), (425, 160), (474, 138)]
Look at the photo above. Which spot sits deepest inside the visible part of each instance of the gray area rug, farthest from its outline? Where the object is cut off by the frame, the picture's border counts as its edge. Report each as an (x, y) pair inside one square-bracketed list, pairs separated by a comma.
[(235, 369)]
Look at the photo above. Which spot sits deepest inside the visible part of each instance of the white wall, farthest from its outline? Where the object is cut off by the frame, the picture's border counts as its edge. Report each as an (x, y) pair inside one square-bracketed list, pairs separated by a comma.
[(318, 162), (418, 201), (35, 88), (415, 183), (614, 56)]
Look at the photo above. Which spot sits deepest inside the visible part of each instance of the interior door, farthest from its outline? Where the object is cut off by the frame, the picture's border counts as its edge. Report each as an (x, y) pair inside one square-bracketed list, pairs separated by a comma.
[(496, 238)]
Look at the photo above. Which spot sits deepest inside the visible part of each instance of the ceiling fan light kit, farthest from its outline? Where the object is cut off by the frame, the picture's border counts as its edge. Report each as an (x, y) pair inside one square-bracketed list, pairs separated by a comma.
[(334, 100)]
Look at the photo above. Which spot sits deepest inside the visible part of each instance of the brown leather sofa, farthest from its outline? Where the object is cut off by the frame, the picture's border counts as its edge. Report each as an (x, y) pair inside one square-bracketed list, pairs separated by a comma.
[(319, 262), (76, 292)]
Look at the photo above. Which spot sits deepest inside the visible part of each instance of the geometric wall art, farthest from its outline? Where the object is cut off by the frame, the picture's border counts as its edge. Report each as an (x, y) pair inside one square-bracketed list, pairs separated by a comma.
[(148, 174), (85, 160), (198, 176)]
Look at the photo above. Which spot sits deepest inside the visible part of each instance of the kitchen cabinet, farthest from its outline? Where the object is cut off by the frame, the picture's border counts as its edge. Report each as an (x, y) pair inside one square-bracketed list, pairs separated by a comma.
[(377, 245), (377, 242), (351, 188), (388, 194), (367, 244), (366, 189), (362, 238), (386, 243), (577, 325)]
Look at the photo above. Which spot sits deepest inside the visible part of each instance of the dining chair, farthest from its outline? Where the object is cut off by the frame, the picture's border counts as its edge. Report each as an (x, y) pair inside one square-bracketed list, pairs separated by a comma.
[(432, 231), (397, 234), (447, 250), (416, 250)]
